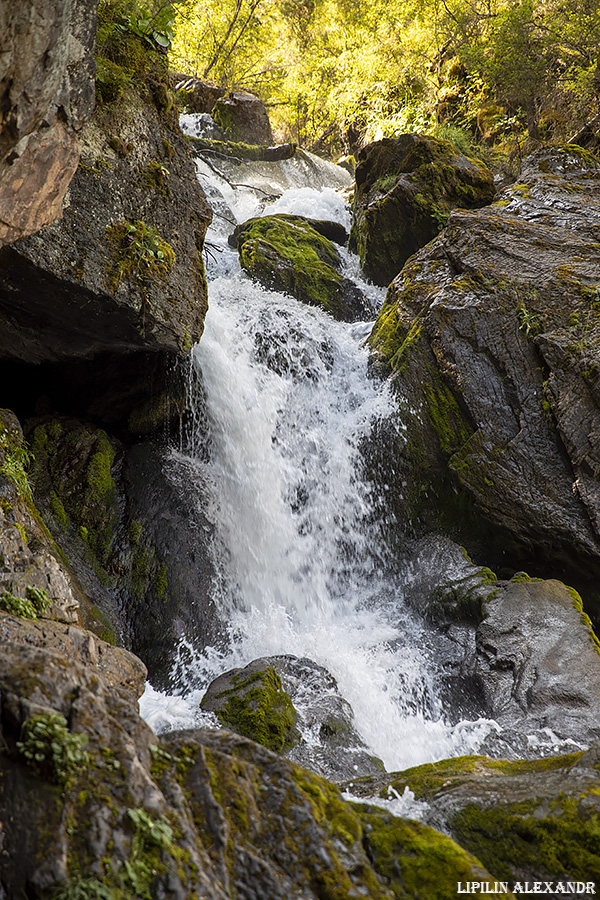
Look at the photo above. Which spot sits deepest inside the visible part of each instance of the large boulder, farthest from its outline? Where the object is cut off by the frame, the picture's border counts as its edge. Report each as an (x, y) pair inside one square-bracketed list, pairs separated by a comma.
[(293, 706), (405, 189), (491, 334), (520, 651), (47, 86), (294, 255), (243, 117)]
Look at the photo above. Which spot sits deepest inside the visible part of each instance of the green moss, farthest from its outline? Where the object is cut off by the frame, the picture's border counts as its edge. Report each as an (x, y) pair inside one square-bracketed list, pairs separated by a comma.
[(223, 116), (161, 584), (578, 604), (138, 253), (155, 175), (560, 842), (445, 416), (417, 861), (15, 460), (260, 709), (330, 810), (285, 253)]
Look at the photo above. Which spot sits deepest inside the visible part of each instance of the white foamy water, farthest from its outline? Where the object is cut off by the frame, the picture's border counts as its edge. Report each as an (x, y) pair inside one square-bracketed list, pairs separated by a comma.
[(302, 564)]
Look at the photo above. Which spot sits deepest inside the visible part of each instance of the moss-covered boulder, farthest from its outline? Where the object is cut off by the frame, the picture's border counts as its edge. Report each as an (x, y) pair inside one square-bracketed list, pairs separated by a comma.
[(525, 820), (252, 702), (287, 253), (491, 335), (405, 189)]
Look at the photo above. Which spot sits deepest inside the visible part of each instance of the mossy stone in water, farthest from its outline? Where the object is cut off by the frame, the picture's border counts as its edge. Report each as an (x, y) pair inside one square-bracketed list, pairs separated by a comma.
[(253, 703), (287, 253)]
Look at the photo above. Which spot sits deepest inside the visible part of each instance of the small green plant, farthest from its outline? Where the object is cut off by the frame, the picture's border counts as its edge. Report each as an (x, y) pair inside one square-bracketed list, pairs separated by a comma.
[(50, 749), (156, 30), (139, 252), (529, 322), (28, 607), (85, 889), (17, 606), (14, 461)]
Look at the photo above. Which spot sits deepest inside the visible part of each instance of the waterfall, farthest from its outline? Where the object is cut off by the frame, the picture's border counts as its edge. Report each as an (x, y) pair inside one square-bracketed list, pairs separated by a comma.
[(302, 562)]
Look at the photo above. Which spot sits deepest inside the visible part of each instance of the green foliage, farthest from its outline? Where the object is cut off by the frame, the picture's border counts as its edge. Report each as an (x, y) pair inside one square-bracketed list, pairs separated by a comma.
[(36, 602), (85, 889), (50, 749), (15, 459), (343, 72), (139, 253)]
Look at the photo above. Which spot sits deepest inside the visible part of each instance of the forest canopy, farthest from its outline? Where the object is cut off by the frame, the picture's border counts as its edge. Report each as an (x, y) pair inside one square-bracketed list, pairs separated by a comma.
[(342, 71)]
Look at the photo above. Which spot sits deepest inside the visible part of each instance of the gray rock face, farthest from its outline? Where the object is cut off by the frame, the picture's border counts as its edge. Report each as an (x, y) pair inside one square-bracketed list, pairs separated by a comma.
[(492, 334), (539, 661), (521, 652), (47, 84)]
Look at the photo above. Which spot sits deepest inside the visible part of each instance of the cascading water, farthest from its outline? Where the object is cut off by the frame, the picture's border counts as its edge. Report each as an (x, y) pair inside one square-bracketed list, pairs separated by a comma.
[(301, 558)]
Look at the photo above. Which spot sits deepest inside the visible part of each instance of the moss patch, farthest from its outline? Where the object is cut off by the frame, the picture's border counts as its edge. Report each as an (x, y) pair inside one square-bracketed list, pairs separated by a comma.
[(259, 708), (513, 840), (138, 253)]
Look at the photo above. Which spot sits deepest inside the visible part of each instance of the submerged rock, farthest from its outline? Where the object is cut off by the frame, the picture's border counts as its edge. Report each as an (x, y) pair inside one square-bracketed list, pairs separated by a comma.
[(405, 189), (490, 332), (292, 254)]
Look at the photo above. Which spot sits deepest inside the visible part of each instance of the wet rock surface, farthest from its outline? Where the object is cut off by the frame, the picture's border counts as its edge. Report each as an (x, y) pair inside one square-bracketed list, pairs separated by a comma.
[(521, 652), (405, 189), (526, 820), (491, 334)]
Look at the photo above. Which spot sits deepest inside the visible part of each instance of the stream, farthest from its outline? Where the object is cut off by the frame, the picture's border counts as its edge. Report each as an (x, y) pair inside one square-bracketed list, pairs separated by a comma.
[(300, 549)]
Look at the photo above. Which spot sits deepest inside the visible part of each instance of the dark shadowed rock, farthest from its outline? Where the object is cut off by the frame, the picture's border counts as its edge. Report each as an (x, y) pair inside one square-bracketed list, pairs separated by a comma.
[(491, 332), (405, 189), (47, 87), (196, 95)]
